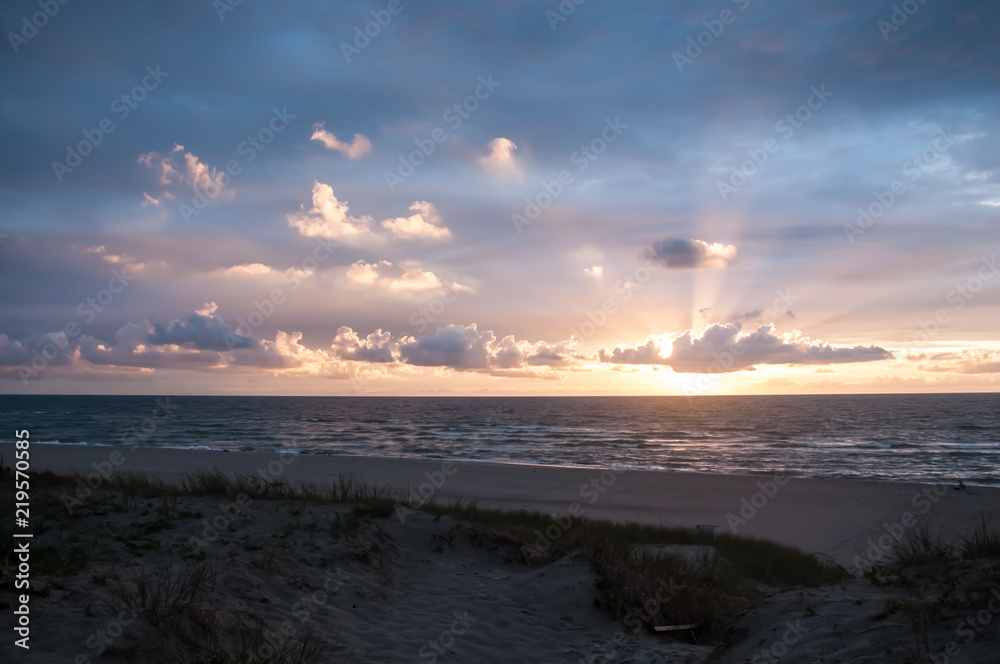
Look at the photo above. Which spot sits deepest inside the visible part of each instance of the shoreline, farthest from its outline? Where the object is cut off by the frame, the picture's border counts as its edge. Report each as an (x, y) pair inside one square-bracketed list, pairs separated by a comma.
[(307, 453), (835, 517)]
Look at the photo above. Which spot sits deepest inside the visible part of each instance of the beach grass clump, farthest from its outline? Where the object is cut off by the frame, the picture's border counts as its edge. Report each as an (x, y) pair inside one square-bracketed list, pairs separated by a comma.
[(174, 600), (919, 548), (980, 543), (645, 589), (254, 640), (166, 592)]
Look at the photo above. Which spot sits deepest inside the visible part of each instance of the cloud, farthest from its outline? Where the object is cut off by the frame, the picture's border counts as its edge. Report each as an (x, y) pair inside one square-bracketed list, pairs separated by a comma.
[(148, 200), (194, 174), (425, 224), (597, 271), (686, 254), (330, 218), (252, 270), (200, 331), (200, 341), (648, 353), (52, 348), (501, 156), (465, 348), (376, 347), (724, 348), (356, 149), (398, 279), (971, 361), (207, 180)]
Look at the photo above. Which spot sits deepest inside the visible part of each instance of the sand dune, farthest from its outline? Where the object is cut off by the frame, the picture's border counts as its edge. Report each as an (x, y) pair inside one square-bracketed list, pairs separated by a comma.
[(189, 578)]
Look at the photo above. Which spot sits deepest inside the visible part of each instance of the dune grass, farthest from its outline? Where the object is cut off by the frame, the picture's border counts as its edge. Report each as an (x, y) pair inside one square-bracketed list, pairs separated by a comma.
[(980, 543)]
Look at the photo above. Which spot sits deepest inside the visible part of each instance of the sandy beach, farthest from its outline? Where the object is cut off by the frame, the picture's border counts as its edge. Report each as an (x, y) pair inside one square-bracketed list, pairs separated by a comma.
[(192, 578), (834, 517)]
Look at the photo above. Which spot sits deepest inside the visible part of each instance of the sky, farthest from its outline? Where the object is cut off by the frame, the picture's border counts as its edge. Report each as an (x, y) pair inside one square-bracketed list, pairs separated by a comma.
[(516, 198)]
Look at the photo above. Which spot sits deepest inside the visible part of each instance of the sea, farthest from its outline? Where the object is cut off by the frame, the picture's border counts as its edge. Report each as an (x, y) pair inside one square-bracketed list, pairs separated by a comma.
[(892, 437)]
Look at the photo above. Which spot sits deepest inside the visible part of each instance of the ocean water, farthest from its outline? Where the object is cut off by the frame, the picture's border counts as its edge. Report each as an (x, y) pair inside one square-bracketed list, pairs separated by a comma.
[(922, 438)]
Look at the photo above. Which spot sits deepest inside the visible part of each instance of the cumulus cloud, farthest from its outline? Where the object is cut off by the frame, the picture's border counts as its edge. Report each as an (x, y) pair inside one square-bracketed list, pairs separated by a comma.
[(725, 348), (193, 174), (597, 271), (501, 156), (648, 353), (398, 279), (376, 347), (465, 348), (687, 254), (424, 224), (356, 149), (330, 218)]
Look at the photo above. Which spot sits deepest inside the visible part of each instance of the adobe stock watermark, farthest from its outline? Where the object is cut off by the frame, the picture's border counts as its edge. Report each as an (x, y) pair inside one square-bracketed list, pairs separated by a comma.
[(105, 636), (882, 545), (963, 293), (635, 619), (275, 638), (725, 359), (223, 7), (565, 9), (592, 490), (37, 21), (900, 15), (968, 629), (122, 106), (454, 116), (625, 288), (87, 484), (228, 512), (87, 311), (776, 651), (582, 158), (428, 313), (913, 169), (757, 502), (434, 648), (424, 493), (248, 149), (696, 44), (366, 33), (267, 306), (786, 127)]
